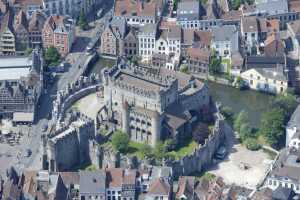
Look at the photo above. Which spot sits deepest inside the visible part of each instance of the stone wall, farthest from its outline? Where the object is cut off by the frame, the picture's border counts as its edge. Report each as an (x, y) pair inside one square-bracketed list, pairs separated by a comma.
[(64, 100), (200, 160), (70, 145), (203, 156)]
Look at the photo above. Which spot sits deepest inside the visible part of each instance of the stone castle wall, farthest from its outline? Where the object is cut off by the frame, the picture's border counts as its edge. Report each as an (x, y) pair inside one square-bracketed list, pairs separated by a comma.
[(203, 156), (70, 146), (82, 87)]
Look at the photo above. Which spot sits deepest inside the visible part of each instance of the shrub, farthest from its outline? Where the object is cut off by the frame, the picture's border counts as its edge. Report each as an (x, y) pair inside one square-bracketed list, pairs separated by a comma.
[(170, 145), (146, 151), (252, 144), (120, 141)]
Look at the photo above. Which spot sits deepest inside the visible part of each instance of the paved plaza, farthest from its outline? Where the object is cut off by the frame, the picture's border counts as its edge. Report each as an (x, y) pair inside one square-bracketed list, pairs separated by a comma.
[(242, 166)]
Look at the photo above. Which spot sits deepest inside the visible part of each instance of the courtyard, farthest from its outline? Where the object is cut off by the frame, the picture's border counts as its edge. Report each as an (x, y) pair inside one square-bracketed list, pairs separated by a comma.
[(89, 105)]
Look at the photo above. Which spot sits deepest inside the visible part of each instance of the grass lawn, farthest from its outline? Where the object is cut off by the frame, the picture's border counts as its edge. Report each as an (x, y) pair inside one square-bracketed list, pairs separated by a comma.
[(185, 149)]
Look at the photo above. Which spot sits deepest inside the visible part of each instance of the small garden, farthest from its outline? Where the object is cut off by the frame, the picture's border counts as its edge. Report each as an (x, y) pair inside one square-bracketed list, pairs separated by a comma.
[(168, 149)]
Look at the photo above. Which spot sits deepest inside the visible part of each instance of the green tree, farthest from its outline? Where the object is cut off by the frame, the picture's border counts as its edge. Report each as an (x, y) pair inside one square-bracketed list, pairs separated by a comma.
[(159, 150), (287, 103), (252, 144), (120, 141), (146, 151), (82, 22), (215, 64), (245, 131), (236, 4), (170, 145), (272, 125), (242, 118), (184, 68), (28, 51), (52, 56)]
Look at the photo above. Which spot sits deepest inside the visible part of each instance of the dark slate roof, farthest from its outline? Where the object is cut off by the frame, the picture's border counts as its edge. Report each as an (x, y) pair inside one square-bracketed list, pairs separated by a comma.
[(92, 182), (283, 193), (263, 62), (272, 74), (188, 10), (272, 7)]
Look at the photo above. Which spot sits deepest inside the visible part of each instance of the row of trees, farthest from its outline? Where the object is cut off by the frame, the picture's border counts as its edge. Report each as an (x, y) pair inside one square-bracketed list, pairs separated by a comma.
[(272, 122)]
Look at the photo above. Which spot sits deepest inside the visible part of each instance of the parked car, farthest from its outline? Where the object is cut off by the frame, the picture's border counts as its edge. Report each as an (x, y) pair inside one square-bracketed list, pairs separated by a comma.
[(28, 152), (221, 153)]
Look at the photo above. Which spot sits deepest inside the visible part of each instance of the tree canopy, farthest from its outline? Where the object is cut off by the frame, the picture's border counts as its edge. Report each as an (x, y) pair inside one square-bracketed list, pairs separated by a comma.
[(242, 118), (215, 64), (82, 21), (120, 141), (52, 56), (272, 125)]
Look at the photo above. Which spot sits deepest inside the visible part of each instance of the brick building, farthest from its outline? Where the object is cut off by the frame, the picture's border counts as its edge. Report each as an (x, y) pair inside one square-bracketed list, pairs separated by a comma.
[(59, 31)]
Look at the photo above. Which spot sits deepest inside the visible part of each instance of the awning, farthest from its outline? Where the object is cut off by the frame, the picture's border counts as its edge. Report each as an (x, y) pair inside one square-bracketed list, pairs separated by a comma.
[(23, 117)]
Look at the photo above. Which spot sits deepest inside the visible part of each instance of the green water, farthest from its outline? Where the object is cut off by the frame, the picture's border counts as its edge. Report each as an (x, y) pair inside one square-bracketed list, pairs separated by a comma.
[(255, 103)]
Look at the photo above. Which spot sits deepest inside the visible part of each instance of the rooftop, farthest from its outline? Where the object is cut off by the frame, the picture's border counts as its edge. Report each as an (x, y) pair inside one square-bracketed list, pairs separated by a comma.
[(272, 6), (15, 62), (188, 10), (224, 33), (295, 26), (92, 181), (295, 118), (135, 8)]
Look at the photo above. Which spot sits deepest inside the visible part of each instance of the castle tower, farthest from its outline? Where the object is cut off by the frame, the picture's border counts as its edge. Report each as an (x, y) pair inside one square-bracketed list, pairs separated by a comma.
[(125, 117), (156, 128)]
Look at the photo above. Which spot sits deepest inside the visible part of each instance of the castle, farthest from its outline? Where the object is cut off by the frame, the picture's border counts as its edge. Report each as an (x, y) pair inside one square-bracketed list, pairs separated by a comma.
[(152, 105), (69, 145)]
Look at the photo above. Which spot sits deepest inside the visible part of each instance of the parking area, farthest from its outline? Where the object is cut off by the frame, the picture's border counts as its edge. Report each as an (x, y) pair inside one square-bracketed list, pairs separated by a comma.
[(242, 166)]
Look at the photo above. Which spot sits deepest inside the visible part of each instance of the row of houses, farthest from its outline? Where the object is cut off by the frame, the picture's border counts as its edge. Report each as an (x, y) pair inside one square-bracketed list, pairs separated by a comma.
[(18, 33), (70, 8), (248, 41), (149, 183)]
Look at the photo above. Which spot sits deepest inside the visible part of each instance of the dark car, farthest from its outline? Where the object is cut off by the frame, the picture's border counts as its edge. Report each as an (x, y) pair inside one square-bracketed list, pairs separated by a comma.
[(221, 153)]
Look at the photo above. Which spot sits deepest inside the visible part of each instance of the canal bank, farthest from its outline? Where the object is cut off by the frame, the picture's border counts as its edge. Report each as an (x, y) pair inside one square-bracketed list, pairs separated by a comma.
[(253, 102)]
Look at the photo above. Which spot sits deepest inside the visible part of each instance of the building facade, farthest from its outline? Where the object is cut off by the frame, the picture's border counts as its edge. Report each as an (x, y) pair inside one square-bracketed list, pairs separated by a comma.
[(142, 104), (59, 32), (7, 37), (21, 84), (147, 41)]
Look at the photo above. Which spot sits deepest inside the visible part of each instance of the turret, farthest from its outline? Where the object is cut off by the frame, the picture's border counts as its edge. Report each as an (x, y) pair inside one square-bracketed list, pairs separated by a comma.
[(125, 117), (156, 128)]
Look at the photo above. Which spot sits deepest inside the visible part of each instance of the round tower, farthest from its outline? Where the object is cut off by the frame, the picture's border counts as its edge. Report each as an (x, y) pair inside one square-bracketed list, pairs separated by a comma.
[(125, 117), (156, 128)]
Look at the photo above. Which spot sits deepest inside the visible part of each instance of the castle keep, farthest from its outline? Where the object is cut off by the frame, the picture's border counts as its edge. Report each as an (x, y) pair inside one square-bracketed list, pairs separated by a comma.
[(151, 105)]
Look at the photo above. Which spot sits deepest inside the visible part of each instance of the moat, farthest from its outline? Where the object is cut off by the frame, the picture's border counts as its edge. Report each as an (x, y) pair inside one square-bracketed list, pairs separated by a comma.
[(255, 103)]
